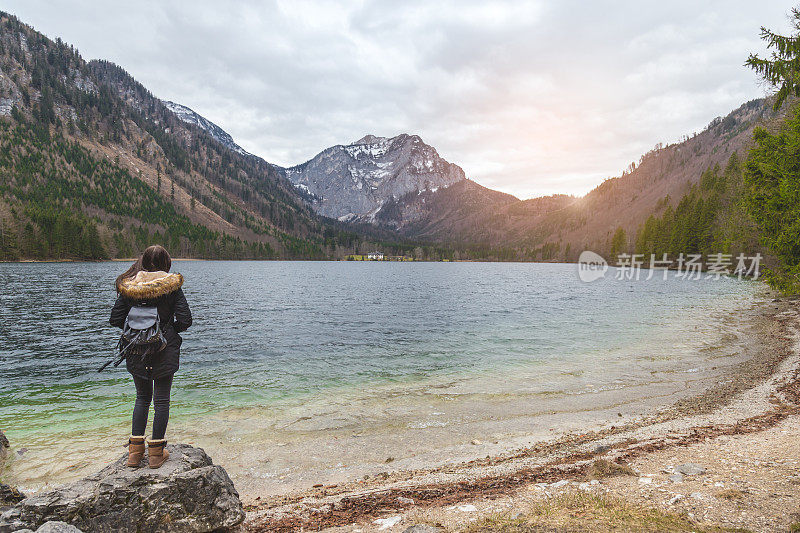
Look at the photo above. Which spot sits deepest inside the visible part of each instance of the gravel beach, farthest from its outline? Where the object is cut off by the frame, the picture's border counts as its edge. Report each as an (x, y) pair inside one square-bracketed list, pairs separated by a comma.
[(738, 436)]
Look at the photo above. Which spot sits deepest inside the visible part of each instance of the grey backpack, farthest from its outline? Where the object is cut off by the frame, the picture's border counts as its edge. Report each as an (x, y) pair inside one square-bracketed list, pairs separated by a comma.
[(141, 334), (142, 331)]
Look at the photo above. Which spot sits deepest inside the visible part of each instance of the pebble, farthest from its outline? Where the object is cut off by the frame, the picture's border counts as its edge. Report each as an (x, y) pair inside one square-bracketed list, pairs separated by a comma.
[(405, 501), (559, 484), (386, 523), (689, 469), (645, 480), (675, 499), (476, 442), (467, 508), (676, 478)]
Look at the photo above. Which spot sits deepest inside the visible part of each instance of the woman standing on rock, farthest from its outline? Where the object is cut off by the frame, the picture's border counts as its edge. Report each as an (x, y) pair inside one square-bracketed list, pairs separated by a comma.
[(148, 284)]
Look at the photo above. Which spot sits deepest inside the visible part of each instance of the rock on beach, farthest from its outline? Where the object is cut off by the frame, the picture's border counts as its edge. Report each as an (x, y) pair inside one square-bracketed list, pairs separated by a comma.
[(188, 493), (4, 445)]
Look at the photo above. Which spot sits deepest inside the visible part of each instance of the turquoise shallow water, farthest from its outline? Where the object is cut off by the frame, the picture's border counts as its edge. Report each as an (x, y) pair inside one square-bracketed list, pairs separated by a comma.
[(278, 334)]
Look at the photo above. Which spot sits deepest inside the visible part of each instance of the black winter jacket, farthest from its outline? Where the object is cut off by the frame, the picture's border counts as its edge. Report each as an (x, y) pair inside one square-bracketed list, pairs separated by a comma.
[(164, 291)]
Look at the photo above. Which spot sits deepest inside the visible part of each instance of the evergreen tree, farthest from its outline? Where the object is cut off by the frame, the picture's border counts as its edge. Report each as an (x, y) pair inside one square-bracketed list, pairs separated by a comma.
[(773, 165), (782, 68), (619, 243)]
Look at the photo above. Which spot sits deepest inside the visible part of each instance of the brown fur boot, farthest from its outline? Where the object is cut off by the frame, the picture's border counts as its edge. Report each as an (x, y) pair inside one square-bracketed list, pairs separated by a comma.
[(157, 452), (135, 451)]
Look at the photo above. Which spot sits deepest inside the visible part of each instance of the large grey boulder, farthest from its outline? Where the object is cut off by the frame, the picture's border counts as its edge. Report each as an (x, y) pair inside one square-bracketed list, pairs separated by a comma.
[(188, 493)]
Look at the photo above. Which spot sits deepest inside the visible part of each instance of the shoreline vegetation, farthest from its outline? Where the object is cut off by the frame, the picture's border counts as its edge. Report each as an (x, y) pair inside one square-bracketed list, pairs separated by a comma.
[(622, 477)]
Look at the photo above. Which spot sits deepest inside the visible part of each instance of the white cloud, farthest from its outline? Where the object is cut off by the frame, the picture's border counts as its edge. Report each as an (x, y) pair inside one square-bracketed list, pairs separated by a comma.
[(528, 97)]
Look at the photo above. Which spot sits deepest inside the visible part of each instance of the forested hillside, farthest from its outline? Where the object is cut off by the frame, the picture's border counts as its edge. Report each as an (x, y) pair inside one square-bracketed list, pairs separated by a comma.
[(710, 218), (94, 166)]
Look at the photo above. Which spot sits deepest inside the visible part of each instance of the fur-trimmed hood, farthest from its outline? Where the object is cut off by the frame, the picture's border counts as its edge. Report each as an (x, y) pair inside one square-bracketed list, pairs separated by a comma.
[(149, 285)]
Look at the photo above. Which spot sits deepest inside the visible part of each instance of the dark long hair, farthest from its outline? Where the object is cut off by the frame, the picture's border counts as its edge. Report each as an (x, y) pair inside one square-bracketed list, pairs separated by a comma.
[(153, 259)]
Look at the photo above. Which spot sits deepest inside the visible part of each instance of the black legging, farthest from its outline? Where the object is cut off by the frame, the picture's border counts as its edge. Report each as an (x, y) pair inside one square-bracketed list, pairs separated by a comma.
[(144, 395)]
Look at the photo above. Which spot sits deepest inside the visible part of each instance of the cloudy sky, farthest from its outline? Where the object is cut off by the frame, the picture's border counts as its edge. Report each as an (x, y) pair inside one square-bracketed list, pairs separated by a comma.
[(530, 98)]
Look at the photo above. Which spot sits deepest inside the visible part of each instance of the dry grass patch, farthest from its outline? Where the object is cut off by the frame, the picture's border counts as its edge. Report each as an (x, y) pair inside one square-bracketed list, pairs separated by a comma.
[(601, 469), (574, 512)]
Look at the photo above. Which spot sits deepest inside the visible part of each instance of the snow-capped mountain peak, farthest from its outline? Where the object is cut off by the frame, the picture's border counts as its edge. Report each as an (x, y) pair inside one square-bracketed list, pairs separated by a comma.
[(356, 179), (191, 117)]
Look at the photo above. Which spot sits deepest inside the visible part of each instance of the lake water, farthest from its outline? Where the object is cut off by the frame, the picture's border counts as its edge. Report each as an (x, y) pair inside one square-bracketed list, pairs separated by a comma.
[(286, 353)]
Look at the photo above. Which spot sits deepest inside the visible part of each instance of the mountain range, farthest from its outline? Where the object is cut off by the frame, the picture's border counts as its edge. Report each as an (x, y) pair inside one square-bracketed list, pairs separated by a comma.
[(94, 165), (402, 184)]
